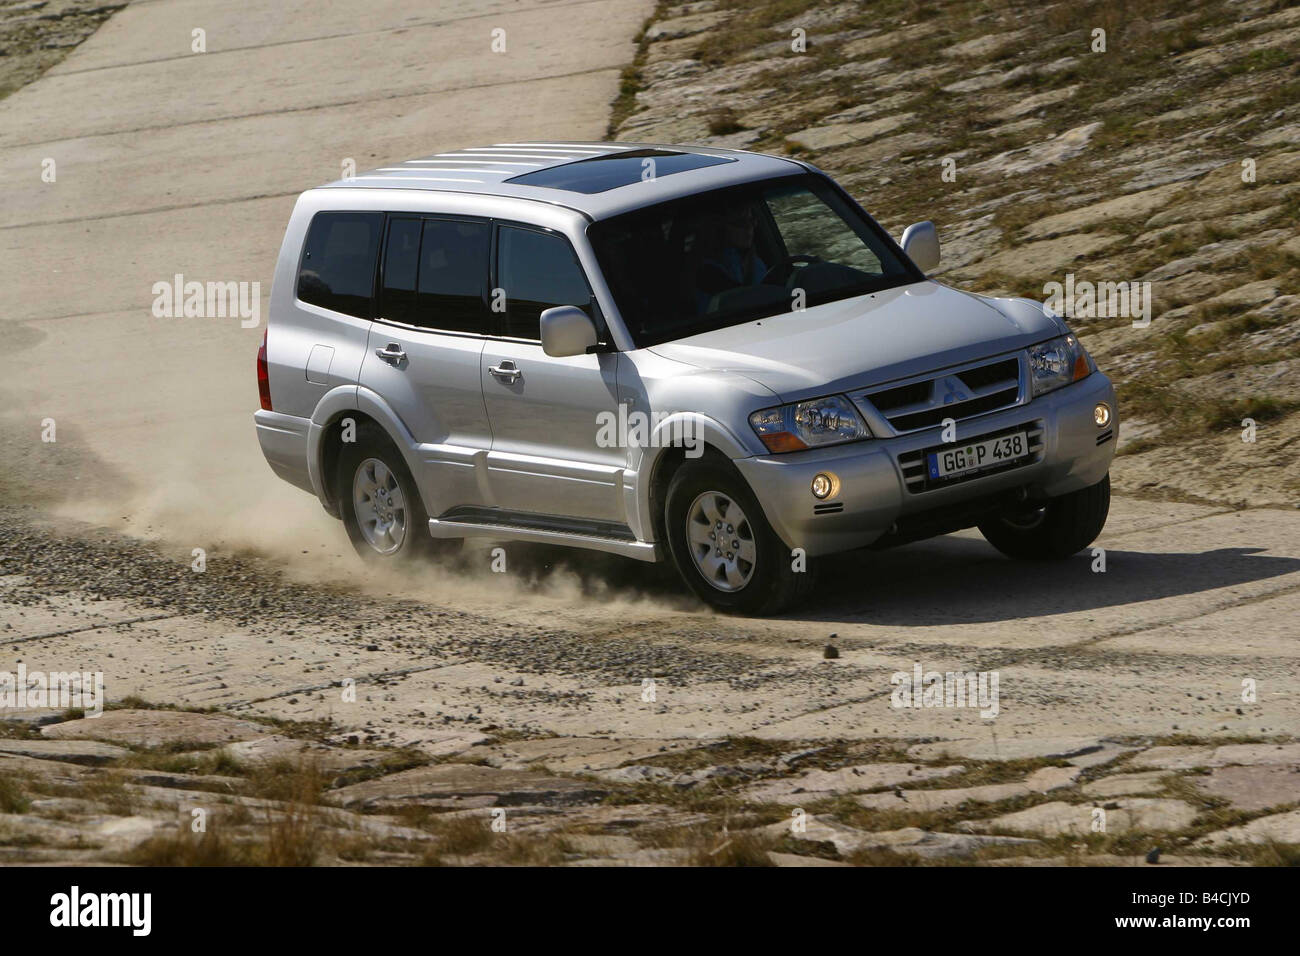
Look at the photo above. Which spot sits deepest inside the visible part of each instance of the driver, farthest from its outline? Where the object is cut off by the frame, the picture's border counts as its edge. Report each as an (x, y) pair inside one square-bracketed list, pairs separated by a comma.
[(729, 261)]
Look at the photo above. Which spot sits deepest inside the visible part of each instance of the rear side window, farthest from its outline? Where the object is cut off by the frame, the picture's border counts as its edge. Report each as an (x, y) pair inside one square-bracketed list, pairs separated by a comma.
[(401, 266), (537, 271), (436, 273), (451, 288), (338, 261)]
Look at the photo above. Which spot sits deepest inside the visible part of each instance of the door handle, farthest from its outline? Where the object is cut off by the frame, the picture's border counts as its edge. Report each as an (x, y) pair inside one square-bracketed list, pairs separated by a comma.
[(391, 353), (506, 371)]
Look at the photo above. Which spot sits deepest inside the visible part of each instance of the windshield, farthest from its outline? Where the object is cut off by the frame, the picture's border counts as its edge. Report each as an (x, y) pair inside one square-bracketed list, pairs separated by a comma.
[(746, 252)]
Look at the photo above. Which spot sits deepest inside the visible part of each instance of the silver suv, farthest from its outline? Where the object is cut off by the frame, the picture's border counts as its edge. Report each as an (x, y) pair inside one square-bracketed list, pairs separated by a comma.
[(706, 355)]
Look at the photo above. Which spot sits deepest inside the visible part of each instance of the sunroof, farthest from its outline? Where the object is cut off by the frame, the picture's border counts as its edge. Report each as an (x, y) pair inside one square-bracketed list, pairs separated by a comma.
[(600, 173)]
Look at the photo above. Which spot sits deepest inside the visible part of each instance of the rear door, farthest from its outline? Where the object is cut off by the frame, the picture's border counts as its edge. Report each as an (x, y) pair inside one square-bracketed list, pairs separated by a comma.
[(425, 345), (545, 458)]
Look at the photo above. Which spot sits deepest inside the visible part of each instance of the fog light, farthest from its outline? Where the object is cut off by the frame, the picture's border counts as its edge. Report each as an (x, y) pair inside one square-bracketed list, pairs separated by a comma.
[(825, 485), (1101, 414)]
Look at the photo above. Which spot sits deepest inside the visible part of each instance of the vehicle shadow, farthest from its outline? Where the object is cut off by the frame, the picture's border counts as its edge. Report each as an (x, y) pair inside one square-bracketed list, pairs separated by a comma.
[(947, 580), (960, 580)]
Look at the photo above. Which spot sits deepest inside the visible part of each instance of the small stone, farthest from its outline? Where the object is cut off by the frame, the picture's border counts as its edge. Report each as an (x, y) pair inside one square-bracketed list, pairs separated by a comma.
[(831, 652), (1154, 856)]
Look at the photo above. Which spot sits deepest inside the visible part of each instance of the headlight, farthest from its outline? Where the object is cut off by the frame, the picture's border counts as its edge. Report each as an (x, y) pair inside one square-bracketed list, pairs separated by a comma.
[(1058, 362), (821, 421)]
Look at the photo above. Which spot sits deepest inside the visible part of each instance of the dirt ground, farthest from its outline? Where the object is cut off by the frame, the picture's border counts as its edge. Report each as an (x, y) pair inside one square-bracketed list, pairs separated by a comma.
[(587, 699)]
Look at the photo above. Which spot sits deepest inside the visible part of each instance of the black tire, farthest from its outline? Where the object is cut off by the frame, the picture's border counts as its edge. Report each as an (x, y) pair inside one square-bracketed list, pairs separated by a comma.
[(773, 585), (373, 443), (1064, 525)]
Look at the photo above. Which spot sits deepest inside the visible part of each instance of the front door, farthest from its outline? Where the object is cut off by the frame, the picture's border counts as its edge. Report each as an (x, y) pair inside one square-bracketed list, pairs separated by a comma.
[(545, 411)]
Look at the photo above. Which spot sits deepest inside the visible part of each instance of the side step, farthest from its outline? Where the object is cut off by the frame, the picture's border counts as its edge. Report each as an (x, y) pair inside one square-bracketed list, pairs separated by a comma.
[(539, 529)]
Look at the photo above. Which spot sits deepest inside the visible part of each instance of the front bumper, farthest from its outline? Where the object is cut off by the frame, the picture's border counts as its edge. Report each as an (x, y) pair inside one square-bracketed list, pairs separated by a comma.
[(1070, 453)]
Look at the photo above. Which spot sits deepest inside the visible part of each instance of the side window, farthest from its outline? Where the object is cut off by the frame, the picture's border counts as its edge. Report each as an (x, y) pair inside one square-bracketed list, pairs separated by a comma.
[(538, 271), (337, 270), (401, 262), (453, 273)]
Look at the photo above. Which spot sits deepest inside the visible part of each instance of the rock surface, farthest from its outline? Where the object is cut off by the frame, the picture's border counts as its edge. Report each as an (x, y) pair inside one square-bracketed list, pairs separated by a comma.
[(155, 728), (1122, 815), (1253, 787), (1278, 828), (820, 784), (73, 751), (459, 785)]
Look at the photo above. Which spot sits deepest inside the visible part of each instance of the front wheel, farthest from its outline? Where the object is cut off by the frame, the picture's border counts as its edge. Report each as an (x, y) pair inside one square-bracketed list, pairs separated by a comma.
[(1053, 529), (723, 546)]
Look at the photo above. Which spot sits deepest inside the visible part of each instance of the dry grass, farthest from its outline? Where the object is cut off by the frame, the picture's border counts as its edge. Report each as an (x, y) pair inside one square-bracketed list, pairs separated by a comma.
[(707, 847), (189, 849), (293, 829), (463, 835), (291, 781), (469, 838), (109, 790), (185, 760), (286, 831), (12, 798), (1271, 853)]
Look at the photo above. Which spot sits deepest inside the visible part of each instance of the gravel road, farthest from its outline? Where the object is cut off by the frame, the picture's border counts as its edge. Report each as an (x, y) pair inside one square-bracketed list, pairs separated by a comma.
[(1193, 602)]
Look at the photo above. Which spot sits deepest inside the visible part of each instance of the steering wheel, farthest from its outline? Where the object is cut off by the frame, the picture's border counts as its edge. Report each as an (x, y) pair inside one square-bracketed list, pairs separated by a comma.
[(781, 273)]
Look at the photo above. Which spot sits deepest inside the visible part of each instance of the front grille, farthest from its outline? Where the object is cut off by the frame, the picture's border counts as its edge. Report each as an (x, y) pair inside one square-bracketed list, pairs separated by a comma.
[(957, 395), (1105, 437), (892, 398), (830, 508), (986, 375), (956, 411), (916, 475)]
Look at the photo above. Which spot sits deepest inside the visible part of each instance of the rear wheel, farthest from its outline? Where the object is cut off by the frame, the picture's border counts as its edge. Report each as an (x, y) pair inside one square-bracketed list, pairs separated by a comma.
[(1054, 529), (723, 546), (381, 506)]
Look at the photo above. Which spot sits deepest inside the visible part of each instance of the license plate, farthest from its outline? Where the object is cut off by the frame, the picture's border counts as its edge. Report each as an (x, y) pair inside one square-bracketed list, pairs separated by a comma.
[(979, 455)]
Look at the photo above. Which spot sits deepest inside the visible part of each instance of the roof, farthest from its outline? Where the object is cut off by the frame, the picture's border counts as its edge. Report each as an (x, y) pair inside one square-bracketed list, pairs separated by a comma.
[(596, 179)]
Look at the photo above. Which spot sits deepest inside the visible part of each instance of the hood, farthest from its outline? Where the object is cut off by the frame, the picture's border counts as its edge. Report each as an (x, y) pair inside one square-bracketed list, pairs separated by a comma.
[(867, 340)]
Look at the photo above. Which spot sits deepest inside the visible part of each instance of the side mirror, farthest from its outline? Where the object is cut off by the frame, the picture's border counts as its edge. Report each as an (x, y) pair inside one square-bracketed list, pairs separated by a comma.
[(567, 330), (921, 243)]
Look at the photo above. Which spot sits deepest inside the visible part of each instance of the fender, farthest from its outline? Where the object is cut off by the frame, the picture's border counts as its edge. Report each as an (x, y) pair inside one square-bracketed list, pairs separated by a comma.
[(340, 399), (669, 433), (1026, 312), (335, 404)]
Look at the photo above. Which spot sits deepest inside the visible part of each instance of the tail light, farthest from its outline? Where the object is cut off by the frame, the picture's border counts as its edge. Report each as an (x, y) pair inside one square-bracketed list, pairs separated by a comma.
[(263, 377)]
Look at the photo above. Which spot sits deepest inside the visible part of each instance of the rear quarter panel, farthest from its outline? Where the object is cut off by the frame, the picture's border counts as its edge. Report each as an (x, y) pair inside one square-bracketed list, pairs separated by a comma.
[(309, 350)]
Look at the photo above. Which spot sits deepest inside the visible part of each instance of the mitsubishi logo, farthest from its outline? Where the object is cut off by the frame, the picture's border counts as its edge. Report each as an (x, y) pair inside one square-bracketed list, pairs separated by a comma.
[(954, 390)]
